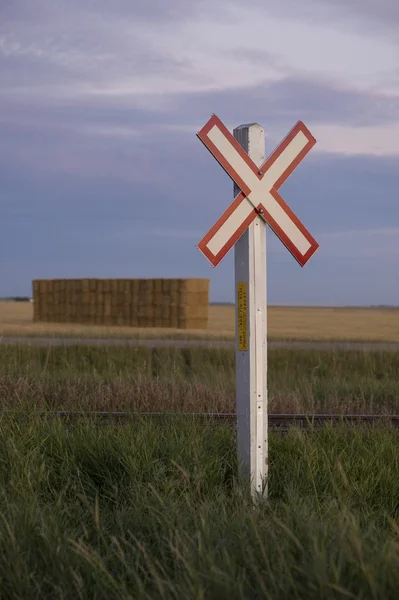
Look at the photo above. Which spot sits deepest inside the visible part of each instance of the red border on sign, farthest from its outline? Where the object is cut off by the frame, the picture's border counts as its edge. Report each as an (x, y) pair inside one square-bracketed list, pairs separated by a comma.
[(282, 146), (203, 244), (301, 258), (261, 209), (203, 136)]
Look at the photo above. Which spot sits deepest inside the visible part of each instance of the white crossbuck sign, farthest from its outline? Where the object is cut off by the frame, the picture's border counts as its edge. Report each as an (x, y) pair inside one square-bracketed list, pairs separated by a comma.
[(259, 192)]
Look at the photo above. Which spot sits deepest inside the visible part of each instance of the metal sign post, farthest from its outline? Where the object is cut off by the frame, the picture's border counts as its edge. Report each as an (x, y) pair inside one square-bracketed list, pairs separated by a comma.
[(243, 225), (251, 331)]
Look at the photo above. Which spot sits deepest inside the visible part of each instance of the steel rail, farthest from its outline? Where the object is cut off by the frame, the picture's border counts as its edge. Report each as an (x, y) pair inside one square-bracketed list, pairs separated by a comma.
[(276, 421)]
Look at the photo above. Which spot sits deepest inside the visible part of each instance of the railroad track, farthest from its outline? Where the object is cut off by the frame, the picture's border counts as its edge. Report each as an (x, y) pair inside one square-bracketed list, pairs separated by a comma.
[(276, 421), (193, 343)]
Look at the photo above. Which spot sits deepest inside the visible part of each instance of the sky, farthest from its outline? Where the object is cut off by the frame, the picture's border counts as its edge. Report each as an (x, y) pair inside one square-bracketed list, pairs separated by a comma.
[(101, 172)]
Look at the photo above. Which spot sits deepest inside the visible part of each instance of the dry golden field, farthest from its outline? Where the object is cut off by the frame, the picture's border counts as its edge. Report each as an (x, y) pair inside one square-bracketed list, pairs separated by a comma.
[(285, 323)]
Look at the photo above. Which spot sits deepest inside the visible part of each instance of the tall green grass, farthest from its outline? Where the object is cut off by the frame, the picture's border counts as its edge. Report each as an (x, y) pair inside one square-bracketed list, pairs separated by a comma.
[(155, 510), (197, 379)]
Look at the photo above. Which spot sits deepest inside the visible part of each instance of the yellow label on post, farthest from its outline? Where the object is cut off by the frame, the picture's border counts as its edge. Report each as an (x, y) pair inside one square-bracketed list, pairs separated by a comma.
[(242, 316)]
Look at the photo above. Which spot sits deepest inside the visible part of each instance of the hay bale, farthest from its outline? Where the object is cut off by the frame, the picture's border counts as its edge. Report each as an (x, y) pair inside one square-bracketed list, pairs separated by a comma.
[(172, 303)]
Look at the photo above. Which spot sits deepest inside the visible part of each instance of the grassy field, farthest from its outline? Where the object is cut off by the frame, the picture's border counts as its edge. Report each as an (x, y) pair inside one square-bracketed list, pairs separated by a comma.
[(151, 511), (153, 508), (195, 379), (354, 324)]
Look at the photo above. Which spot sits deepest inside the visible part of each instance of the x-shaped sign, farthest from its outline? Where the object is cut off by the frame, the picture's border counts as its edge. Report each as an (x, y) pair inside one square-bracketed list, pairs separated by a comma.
[(259, 192)]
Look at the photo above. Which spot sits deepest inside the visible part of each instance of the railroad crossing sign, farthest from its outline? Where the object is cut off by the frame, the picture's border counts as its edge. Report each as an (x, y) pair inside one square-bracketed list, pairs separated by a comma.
[(259, 192), (243, 225)]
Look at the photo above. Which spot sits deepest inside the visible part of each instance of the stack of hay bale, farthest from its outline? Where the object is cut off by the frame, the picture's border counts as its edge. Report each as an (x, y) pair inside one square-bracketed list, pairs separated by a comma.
[(176, 303)]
